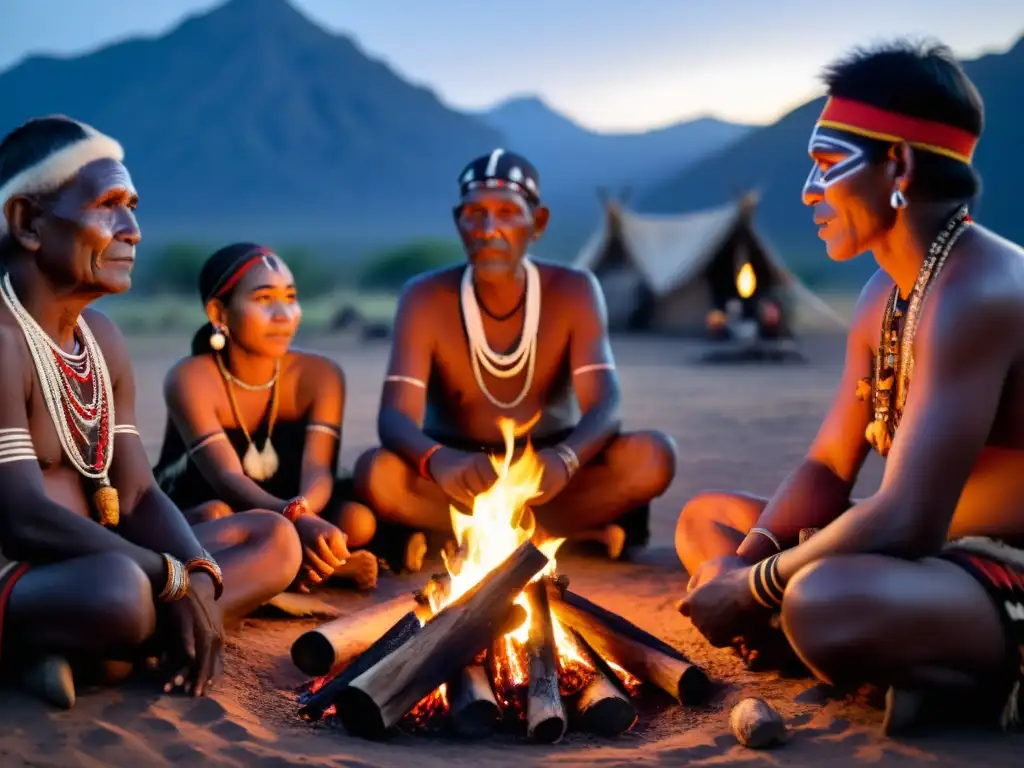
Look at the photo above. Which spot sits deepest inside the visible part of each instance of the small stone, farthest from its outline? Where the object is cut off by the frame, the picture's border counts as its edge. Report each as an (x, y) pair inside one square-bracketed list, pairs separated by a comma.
[(756, 725)]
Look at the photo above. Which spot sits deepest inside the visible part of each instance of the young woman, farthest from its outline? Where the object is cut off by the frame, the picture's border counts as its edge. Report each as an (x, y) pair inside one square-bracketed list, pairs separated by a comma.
[(253, 424)]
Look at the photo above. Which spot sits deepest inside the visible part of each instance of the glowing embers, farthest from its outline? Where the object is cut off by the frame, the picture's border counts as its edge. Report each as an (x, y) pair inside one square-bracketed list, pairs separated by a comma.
[(495, 642)]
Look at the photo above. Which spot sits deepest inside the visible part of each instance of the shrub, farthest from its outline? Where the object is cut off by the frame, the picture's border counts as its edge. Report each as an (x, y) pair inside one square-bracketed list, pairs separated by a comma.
[(390, 270)]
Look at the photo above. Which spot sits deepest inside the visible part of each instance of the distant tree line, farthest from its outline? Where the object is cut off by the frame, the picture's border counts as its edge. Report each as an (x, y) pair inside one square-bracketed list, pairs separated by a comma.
[(173, 269)]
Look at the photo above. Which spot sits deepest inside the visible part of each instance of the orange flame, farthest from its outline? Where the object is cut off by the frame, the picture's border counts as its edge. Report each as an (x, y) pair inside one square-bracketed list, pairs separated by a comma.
[(746, 281)]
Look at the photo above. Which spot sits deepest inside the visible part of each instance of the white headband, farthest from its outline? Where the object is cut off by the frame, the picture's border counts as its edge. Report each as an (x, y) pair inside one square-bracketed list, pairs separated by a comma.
[(58, 168)]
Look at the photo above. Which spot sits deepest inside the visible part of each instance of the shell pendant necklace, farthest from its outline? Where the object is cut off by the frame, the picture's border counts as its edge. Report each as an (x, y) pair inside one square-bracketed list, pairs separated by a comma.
[(257, 464)]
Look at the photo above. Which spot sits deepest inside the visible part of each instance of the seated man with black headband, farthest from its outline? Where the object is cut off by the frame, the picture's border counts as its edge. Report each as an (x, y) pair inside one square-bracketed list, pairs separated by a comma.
[(921, 585), (474, 343), (95, 558)]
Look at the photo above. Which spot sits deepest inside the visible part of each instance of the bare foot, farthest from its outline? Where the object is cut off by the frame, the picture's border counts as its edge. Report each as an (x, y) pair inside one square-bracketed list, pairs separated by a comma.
[(415, 551), (50, 679), (361, 567)]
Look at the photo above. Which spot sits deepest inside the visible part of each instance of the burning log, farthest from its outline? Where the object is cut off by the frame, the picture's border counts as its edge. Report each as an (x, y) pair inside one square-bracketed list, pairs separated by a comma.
[(604, 706), (545, 714), (474, 708), (316, 704), (377, 699), (320, 650), (636, 651)]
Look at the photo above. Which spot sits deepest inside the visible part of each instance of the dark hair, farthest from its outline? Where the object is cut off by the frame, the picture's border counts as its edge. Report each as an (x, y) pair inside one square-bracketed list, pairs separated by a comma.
[(34, 141), (919, 79), (217, 271)]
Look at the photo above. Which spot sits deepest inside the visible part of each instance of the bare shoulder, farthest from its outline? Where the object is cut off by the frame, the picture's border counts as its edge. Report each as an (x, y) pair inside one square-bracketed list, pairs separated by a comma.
[(13, 350), (980, 291), (867, 313), (423, 290), (572, 283), (110, 339), (314, 370), (189, 375)]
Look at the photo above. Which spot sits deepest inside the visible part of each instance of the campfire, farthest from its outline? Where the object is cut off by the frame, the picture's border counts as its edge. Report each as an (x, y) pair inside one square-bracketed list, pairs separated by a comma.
[(498, 640)]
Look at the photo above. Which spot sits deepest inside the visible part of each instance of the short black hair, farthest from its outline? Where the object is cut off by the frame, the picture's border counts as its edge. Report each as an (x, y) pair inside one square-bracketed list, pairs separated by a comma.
[(919, 79), (32, 142)]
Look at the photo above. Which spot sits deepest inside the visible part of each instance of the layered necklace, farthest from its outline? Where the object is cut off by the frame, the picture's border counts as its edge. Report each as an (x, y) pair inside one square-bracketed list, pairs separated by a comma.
[(84, 424), (502, 366), (259, 465), (894, 362)]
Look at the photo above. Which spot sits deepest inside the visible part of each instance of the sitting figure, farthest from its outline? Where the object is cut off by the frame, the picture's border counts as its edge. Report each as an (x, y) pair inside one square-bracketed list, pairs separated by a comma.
[(254, 424), (921, 585), (508, 336), (98, 565)]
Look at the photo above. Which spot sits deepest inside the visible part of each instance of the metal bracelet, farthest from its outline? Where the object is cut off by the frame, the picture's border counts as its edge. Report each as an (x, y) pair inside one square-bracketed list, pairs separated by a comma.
[(768, 535), (206, 564), (569, 458), (177, 583)]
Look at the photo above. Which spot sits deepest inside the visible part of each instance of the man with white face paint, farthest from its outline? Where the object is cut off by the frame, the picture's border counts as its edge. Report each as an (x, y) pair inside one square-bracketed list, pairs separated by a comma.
[(881, 589)]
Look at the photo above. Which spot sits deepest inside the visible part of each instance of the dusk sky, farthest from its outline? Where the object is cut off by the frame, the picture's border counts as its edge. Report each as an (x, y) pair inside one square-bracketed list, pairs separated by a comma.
[(609, 64)]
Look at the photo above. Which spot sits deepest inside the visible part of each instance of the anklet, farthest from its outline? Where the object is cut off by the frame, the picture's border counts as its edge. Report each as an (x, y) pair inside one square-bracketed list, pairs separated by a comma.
[(765, 583), (206, 564), (177, 583)]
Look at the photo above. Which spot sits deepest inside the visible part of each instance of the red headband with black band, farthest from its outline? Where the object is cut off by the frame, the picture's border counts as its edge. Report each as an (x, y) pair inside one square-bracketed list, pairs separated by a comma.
[(244, 265), (874, 123)]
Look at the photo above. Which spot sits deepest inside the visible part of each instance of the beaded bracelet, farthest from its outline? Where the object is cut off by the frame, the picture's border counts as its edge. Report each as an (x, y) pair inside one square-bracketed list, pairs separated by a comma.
[(177, 584), (206, 564), (569, 458), (296, 508), (424, 469), (766, 584)]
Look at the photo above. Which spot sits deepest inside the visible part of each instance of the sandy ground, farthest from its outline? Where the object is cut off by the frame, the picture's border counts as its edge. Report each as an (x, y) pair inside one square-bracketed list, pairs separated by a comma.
[(741, 426)]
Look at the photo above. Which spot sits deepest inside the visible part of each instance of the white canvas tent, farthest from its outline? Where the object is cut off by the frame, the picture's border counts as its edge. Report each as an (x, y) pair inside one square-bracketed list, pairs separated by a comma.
[(664, 273)]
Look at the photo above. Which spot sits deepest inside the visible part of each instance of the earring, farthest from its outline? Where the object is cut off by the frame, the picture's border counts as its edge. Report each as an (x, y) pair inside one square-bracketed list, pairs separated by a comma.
[(897, 200), (217, 339)]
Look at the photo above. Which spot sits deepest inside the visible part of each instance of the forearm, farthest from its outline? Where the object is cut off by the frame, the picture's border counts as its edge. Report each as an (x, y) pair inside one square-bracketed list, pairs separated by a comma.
[(811, 497), (593, 432), (316, 488), (157, 524), (53, 533), (241, 493), (874, 526), (403, 436)]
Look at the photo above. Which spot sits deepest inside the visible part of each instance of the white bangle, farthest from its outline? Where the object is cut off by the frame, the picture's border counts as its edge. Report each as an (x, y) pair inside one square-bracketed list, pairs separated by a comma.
[(569, 458), (768, 535)]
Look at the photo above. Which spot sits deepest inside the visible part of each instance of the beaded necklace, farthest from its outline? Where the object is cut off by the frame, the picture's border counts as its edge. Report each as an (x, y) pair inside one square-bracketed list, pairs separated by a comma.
[(894, 362), (84, 425)]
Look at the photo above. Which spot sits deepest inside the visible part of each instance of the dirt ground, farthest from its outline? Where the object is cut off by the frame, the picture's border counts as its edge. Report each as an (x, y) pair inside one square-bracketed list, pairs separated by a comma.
[(739, 426)]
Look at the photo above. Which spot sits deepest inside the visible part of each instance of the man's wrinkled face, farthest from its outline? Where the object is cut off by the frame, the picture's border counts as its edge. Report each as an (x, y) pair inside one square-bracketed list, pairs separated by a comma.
[(88, 230), (496, 227), (848, 194)]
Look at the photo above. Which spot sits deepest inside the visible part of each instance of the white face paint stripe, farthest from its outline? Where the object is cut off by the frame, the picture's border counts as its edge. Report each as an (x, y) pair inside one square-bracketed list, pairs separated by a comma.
[(492, 164), (854, 161)]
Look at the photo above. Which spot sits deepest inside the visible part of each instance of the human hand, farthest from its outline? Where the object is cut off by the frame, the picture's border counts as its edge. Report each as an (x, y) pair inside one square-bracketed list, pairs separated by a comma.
[(712, 569), (324, 550), (723, 608), (554, 478), (461, 475), (195, 634)]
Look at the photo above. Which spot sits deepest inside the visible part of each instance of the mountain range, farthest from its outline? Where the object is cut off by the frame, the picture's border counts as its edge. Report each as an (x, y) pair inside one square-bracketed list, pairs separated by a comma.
[(251, 121)]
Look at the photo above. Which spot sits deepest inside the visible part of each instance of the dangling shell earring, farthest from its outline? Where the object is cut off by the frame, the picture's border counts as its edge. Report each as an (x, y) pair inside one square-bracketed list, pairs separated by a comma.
[(217, 339), (897, 200)]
